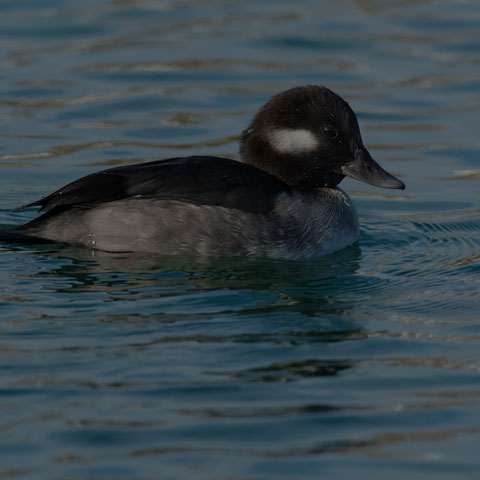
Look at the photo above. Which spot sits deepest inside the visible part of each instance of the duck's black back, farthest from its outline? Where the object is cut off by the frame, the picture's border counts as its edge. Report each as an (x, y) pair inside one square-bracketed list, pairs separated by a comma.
[(198, 179)]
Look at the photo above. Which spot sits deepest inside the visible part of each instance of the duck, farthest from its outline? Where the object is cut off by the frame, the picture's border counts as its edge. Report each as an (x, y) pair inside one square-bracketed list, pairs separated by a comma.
[(280, 200)]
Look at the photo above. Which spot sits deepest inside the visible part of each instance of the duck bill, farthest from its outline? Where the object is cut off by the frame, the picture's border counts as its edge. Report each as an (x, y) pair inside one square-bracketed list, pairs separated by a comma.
[(366, 169)]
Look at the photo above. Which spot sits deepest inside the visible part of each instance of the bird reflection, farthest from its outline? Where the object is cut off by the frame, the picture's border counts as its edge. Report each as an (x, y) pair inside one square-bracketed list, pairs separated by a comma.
[(103, 270), (251, 301)]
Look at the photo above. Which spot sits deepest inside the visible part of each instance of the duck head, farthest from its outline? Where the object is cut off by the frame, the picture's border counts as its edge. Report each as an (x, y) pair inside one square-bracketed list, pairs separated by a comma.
[(309, 137)]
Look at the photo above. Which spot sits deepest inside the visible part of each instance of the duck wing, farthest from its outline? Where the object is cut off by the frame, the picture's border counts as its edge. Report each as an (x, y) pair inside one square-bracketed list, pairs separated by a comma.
[(198, 179)]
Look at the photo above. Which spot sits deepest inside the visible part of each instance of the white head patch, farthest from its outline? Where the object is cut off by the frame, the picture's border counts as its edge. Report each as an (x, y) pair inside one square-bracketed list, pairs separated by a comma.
[(285, 140)]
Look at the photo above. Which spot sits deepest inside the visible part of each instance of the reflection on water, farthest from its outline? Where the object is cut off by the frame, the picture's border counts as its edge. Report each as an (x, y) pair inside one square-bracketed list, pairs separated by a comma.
[(362, 363)]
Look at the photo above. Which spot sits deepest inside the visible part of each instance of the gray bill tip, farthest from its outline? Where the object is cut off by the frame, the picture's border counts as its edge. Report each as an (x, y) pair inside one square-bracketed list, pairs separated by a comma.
[(394, 182)]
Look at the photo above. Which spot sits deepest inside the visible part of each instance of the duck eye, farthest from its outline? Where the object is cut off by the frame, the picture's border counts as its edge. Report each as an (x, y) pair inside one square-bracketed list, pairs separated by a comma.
[(330, 131)]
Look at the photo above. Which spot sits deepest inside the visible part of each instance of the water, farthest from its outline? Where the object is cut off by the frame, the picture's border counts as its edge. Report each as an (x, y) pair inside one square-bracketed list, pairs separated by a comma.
[(362, 364)]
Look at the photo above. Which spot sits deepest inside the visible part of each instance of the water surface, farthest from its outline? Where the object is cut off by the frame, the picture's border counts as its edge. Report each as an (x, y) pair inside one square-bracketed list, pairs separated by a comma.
[(364, 363)]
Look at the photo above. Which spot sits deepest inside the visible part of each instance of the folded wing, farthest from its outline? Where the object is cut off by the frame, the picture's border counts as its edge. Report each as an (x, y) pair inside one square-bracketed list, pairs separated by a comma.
[(198, 179)]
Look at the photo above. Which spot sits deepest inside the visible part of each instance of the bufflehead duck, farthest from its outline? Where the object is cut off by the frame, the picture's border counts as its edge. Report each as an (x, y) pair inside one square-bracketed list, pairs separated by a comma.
[(282, 200)]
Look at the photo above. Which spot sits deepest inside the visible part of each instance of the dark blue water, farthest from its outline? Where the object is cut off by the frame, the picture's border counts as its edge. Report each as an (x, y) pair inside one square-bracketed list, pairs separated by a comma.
[(364, 364)]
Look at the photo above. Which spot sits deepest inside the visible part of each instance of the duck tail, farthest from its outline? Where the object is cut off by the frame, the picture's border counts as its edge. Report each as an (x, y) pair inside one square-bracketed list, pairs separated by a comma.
[(11, 236)]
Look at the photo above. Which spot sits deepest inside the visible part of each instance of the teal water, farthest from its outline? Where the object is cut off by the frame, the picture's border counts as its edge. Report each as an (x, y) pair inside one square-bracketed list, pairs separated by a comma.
[(364, 364)]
